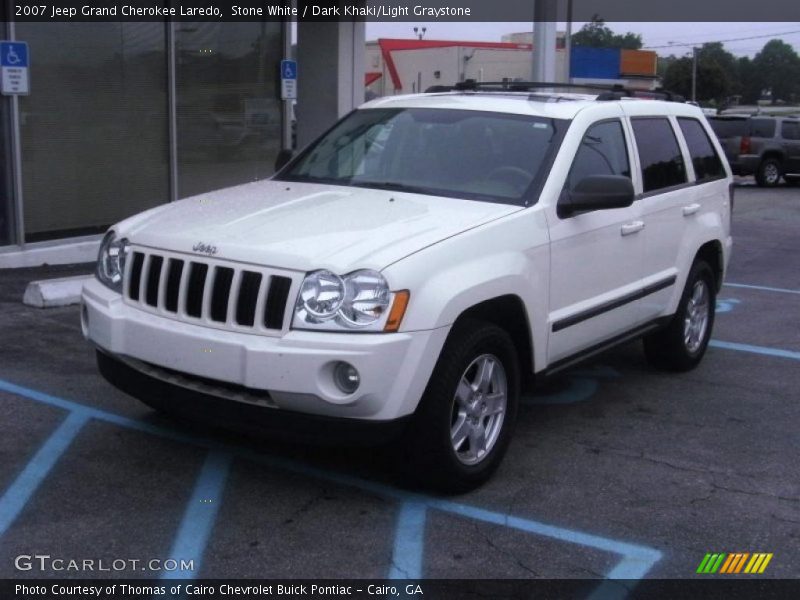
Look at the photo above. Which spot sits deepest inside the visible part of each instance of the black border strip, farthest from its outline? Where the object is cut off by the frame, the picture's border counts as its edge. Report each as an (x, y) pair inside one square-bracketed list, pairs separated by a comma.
[(612, 304), (587, 353)]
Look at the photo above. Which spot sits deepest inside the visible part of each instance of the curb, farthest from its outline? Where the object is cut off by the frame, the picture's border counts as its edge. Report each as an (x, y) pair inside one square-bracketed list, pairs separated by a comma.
[(50, 293)]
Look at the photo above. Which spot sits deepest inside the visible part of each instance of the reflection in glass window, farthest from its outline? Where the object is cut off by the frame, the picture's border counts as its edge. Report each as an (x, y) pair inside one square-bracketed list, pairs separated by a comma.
[(228, 111), (6, 190), (94, 130), (705, 159), (602, 152), (659, 153)]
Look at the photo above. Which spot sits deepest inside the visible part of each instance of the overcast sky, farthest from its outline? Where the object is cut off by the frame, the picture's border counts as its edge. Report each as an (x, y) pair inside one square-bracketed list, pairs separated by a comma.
[(655, 35)]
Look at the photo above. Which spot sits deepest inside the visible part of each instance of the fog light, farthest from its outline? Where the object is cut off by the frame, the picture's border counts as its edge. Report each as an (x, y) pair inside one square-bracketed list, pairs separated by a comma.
[(346, 377)]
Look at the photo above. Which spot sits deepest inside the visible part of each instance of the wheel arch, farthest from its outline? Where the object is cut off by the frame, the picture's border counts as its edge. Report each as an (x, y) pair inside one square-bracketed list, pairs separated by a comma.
[(711, 252), (773, 153), (509, 313)]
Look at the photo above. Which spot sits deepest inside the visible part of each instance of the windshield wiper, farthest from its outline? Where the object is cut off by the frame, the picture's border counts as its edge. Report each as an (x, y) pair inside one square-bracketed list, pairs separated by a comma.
[(387, 185)]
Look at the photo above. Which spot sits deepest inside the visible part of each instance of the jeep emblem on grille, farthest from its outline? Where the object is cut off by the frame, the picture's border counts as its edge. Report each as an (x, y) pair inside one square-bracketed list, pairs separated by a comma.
[(205, 248)]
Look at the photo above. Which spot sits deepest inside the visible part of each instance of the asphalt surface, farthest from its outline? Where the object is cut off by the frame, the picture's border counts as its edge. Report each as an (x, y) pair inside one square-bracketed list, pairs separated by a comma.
[(659, 468)]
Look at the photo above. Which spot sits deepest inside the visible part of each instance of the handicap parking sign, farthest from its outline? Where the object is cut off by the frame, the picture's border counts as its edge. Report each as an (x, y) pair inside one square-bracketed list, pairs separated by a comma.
[(14, 54), (289, 79), (14, 66), (289, 69)]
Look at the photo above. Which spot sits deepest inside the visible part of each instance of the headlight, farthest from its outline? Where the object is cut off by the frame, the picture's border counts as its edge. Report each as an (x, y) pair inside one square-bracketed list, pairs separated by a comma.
[(321, 295), (357, 301), (111, 261)]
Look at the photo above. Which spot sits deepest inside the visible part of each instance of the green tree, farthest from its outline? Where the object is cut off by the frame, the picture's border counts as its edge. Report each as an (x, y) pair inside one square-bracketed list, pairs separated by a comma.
[(597, 35), (717, 74), (713, 83), (779, 66), (750, 80)]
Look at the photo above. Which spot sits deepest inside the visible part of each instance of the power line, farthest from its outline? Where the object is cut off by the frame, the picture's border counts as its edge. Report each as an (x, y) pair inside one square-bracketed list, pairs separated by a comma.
[(752, 37)]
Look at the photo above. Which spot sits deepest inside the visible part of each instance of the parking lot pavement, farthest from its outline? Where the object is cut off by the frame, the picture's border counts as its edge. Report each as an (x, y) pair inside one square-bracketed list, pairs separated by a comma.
[(615, 469)]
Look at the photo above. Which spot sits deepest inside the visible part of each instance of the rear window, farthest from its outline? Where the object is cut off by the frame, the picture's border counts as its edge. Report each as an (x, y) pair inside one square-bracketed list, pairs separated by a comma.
[(762, 128), (705, 159), (728, 128)]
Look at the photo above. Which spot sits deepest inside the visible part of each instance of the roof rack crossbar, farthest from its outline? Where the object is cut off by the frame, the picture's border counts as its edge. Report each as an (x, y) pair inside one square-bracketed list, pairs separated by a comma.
[(613, 91)]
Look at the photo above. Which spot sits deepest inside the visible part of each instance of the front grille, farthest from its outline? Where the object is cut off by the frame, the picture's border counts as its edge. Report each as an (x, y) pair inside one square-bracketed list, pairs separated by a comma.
[(208, 292)]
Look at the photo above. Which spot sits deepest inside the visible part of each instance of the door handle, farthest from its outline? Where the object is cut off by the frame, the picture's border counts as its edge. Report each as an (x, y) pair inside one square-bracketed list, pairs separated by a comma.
[(690, 209), (632, 227)]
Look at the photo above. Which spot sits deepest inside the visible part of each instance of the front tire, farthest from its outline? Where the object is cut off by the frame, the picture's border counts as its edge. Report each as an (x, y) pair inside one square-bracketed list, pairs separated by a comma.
[(464, 422), (681, 345), (769, 173)]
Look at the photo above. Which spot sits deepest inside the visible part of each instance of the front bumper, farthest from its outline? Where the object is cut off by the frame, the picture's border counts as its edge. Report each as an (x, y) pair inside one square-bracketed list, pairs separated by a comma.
[(218, 411), (296, 370)]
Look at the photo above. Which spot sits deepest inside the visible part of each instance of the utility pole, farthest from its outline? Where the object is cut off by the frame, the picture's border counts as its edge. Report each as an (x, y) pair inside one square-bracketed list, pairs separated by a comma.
[(568, 42), (694, 73)]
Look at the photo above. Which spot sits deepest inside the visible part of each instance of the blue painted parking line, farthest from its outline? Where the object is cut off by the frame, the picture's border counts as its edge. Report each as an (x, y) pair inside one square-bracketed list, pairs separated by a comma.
[(636, 560), (38, 468), (583, 385), (409, 542), (201, 514), (764, 350), (726, 305), (580, 538), (762, 288)]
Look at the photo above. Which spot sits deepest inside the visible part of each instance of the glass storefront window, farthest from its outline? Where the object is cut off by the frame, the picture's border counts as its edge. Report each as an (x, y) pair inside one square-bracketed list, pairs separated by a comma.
[(94, 129), (228, 111), (6, 189)]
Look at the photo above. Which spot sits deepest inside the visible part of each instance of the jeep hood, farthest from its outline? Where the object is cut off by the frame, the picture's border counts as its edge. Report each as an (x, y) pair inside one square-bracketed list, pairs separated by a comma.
[(303, 226)]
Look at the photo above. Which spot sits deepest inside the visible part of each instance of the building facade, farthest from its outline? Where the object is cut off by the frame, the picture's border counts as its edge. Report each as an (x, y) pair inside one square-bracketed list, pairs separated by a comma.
[(122, 117), (407, 66)]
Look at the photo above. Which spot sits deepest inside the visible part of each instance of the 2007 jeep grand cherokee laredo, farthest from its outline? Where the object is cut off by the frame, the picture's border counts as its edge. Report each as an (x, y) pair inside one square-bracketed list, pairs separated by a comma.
[(415, 267)]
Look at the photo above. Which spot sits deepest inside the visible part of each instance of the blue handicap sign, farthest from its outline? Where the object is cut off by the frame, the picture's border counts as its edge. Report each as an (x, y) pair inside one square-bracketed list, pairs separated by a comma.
[(288, 69), (14, 54)]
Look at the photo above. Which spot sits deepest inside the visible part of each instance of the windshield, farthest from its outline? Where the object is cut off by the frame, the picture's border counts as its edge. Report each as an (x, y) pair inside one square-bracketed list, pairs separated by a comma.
[(457, 153)]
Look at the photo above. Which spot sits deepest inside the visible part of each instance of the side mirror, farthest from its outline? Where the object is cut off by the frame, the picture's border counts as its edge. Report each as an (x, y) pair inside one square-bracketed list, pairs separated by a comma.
[(596, 192), (283, 158)]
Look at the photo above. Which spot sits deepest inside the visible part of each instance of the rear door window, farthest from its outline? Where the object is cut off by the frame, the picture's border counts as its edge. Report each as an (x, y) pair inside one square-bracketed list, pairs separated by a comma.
[(790, 130), (762, 128), (659, 154), (705, 159)]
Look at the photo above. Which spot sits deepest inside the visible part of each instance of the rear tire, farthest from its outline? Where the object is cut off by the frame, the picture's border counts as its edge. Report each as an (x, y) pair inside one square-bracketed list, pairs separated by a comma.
[(465, 419), (769, 173), (680, 346)]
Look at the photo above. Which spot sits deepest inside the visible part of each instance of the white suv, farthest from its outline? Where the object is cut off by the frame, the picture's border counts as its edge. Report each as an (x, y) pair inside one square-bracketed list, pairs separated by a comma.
[(418, 265)]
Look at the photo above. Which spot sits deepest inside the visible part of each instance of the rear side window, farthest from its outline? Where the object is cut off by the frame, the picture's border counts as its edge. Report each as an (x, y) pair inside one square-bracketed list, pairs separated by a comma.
[(728, 128), (659, 153), (790, 130), (762, 128), (602, 152), (705, 159)]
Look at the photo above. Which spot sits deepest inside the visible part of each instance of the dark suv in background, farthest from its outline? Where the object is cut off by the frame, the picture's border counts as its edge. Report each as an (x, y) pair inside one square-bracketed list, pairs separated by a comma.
[(764, 146)]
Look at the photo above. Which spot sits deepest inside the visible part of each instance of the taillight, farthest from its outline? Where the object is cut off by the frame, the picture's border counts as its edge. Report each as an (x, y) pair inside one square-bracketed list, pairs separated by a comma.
[(744, 147)]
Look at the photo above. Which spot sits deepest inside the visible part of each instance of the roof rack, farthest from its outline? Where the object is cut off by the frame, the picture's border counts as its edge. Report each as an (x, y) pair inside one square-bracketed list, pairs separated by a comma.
[(606, 92)]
